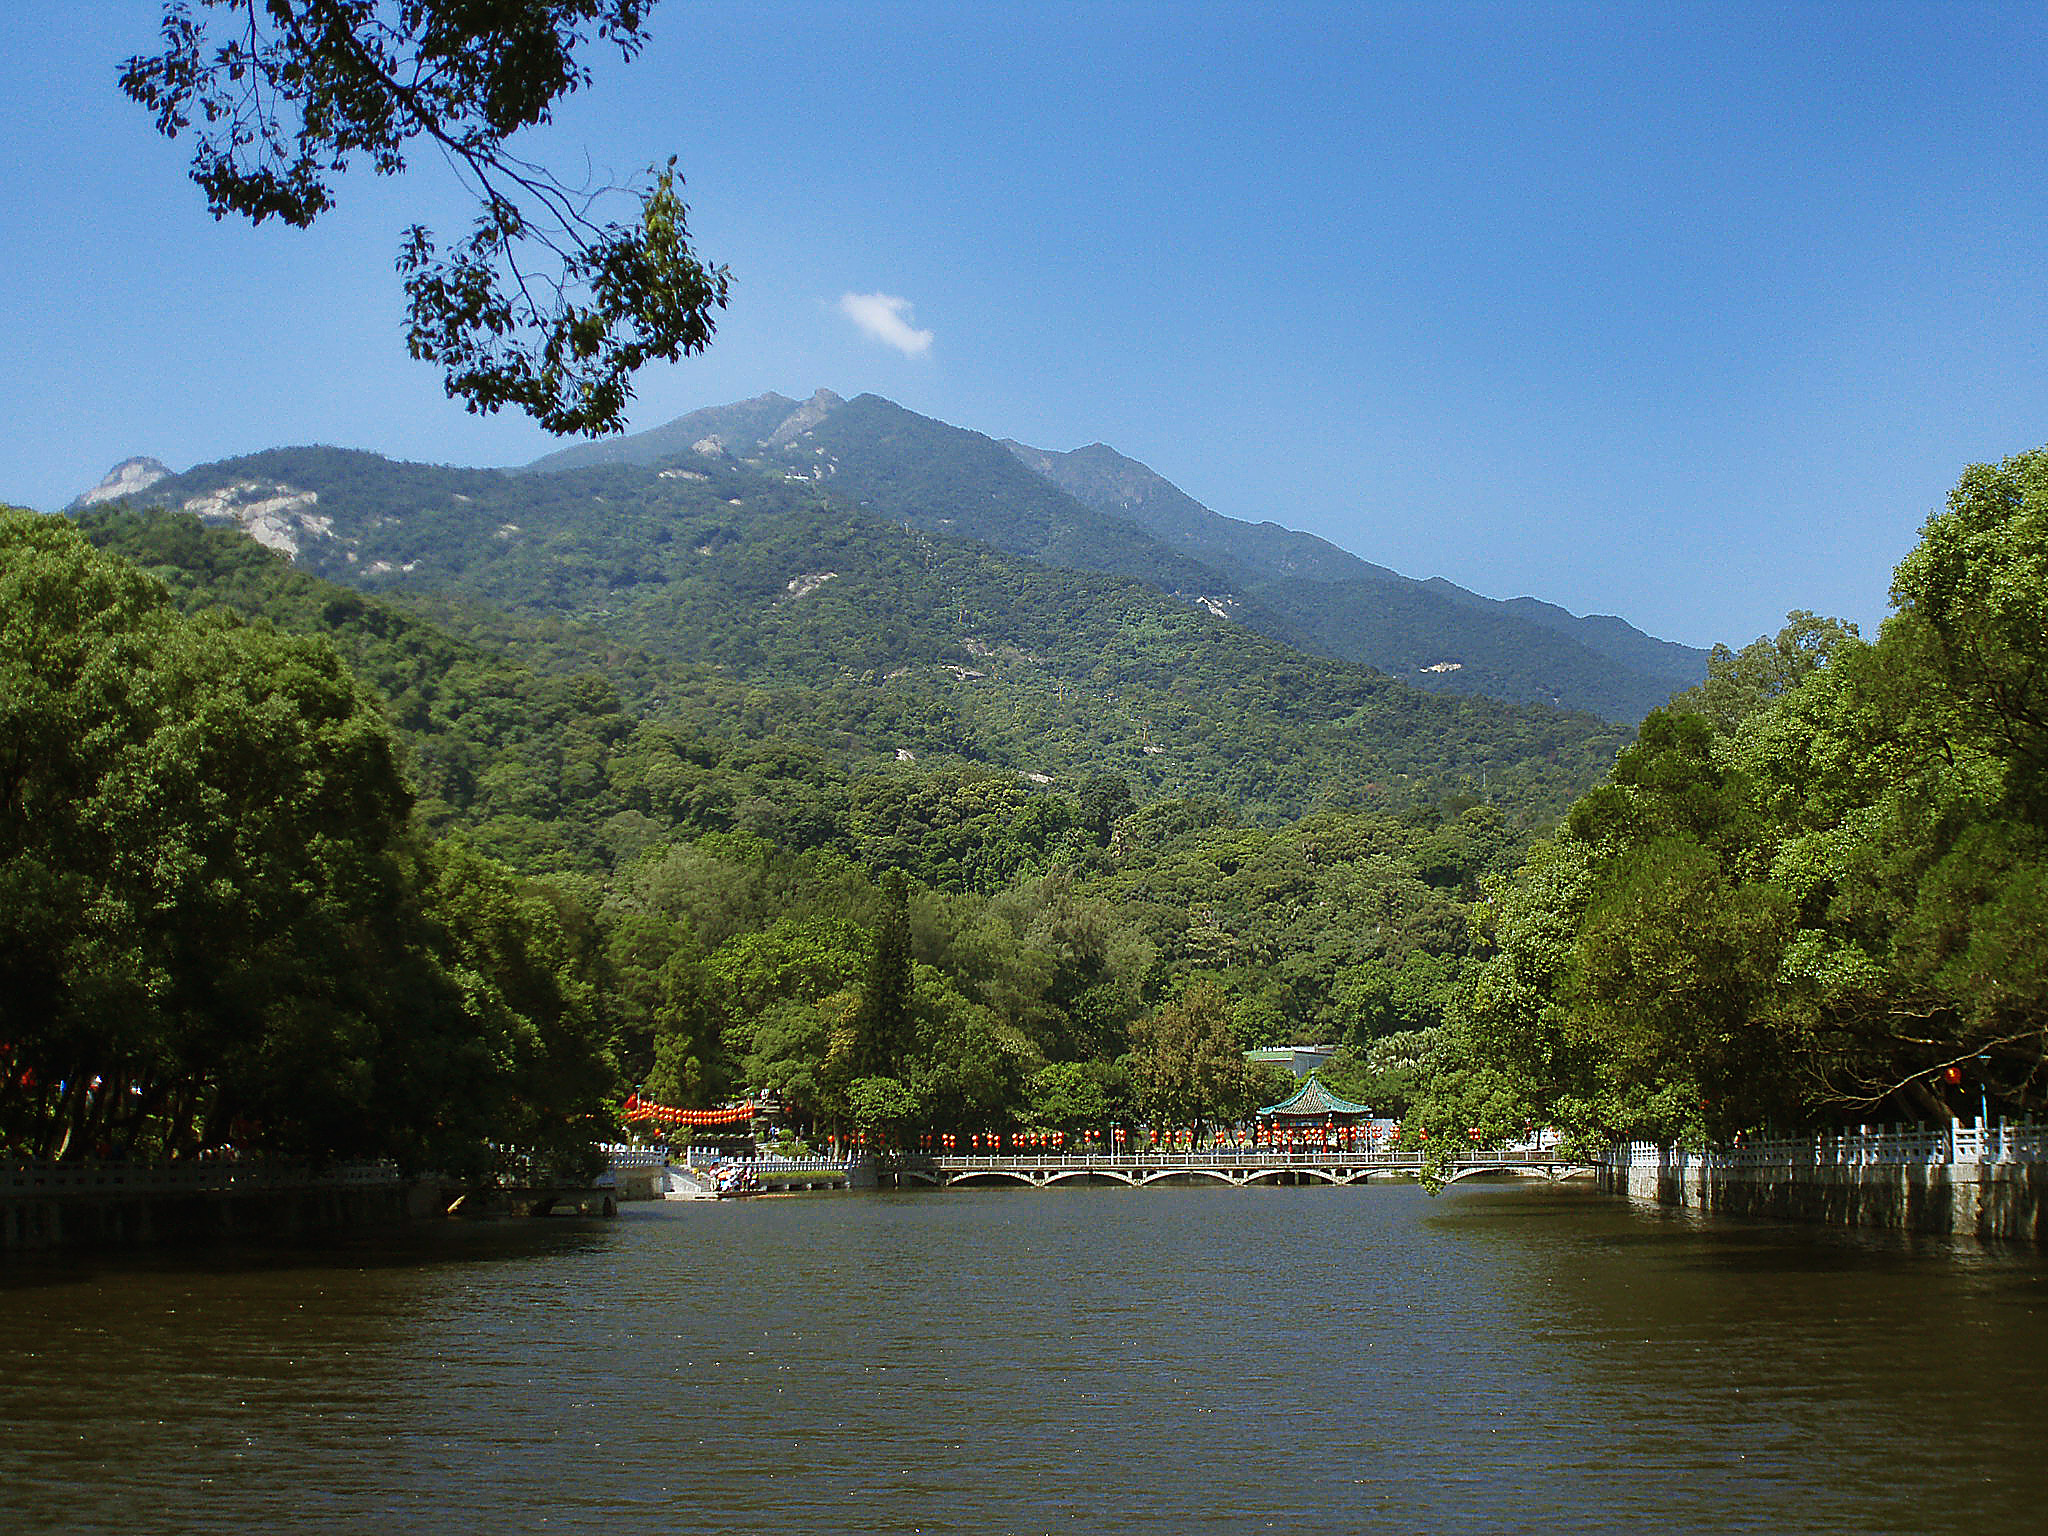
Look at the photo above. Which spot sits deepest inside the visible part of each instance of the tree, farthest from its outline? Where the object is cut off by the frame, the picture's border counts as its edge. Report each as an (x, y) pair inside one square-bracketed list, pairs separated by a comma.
[(1079, 1095), (1972, 600), (1104, 801), (1740, 683), (543, 305), (880, 1105), (1815, 886), (1186, 1063), (217, 923), (883, 1029)]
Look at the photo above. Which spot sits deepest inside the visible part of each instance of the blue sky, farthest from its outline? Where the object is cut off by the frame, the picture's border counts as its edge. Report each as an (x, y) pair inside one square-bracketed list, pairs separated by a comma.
[(1686, 313)]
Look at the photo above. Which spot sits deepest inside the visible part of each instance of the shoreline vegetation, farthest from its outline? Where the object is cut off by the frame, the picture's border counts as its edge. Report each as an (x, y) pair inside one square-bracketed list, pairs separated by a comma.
[(296, 871)]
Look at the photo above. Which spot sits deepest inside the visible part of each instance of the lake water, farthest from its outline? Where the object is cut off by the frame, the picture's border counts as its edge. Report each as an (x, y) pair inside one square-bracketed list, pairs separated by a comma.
[(1503, 1358)]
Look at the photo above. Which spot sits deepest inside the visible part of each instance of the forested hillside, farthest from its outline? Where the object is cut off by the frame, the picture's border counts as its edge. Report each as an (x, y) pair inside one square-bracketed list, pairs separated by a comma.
[(900, 642), (715, 895), (1096, 510)]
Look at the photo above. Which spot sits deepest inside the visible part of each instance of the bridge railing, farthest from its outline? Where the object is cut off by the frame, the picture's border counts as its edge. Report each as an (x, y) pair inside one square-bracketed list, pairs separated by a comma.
[(626, 1155), (1870, 1146), (1236, 1157)]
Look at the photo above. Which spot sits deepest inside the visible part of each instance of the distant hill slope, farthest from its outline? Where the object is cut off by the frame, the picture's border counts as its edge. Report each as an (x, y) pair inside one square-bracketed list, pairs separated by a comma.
[(897, 643), (1095, 509), (1364, 612)]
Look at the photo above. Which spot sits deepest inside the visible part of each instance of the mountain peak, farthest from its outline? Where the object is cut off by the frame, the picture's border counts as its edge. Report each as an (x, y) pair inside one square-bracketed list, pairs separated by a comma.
[(130, 477), (803, 418)]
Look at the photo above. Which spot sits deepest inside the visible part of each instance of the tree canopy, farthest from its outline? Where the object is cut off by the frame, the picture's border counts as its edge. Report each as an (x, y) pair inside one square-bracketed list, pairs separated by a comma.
[(1817, 887), (217, 923), (545, 304)]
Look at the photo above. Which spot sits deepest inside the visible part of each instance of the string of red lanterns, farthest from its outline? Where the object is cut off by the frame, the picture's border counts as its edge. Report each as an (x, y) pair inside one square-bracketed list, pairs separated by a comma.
[(640, 1111)]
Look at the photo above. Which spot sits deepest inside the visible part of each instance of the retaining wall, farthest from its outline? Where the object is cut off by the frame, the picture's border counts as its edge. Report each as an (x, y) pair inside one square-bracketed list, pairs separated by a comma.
[(1996, 1202), (88, 1218)]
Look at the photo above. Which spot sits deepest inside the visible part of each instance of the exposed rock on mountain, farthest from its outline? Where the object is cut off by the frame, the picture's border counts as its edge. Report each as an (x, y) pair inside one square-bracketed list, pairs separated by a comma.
[(130, 477), (279, 517)]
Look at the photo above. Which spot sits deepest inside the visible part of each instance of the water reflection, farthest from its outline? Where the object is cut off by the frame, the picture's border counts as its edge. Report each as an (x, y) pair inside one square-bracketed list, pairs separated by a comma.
[(1505, 1358)]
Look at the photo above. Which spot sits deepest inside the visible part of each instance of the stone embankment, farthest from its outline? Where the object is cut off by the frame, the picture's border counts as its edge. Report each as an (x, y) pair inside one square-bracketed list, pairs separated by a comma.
[(118, 1204), (65, 1205), (1964, 1182)]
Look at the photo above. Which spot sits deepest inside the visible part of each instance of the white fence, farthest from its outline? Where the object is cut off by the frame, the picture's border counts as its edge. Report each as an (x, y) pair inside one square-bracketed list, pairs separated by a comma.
[(625, 1155), (1868, 1147)]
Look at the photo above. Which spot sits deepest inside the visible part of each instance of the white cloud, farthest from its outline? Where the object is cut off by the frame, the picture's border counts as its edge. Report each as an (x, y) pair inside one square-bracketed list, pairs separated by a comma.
[(886, 318)]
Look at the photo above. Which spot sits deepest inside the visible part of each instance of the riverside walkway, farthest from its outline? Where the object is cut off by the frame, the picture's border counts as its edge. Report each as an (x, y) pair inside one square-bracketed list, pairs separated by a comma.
[(1240, 1166)]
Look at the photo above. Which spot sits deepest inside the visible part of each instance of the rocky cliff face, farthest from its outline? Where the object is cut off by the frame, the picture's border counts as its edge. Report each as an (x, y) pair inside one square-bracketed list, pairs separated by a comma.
[(130, 477), (277, 516)]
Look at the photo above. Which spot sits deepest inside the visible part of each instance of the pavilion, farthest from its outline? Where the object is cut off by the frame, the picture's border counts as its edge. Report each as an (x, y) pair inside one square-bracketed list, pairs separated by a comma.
[(1315, 1108)]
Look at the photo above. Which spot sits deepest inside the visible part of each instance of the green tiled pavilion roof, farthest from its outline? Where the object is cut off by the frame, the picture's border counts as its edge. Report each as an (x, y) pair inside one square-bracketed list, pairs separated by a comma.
[(1313, 1100)]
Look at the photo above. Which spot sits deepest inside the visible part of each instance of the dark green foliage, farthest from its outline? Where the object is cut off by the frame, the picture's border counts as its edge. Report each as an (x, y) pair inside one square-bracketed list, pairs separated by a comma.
[(1823, 892), (882, 1036), (216, 922)]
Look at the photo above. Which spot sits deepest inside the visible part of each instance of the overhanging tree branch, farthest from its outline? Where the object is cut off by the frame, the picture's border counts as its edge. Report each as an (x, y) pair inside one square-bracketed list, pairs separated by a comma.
[(545, 305)]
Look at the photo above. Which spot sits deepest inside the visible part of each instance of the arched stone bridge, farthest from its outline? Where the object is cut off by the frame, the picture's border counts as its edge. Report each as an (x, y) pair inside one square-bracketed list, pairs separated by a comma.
[(1222, 1165)]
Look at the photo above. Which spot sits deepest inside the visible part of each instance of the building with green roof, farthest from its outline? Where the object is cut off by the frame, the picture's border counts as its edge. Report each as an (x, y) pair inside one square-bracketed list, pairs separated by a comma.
[(1315, 1102)]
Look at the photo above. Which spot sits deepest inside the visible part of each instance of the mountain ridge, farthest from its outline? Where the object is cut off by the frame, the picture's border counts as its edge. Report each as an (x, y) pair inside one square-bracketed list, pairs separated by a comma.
[(1287, 584), (910, 646)]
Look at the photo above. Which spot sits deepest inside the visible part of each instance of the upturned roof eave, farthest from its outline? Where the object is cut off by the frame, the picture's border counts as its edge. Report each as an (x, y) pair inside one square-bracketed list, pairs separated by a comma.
[(1313, 1097)]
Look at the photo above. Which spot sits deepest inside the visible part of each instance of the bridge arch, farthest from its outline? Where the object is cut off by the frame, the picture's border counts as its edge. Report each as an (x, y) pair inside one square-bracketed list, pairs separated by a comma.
[(994, 1176), (1083, 1175), (1549, 1173), (1213, 1175), (1294, 1174)]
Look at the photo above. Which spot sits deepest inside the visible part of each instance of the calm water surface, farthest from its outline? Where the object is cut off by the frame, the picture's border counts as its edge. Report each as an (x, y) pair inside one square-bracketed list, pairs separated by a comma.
[(1081, 1360)]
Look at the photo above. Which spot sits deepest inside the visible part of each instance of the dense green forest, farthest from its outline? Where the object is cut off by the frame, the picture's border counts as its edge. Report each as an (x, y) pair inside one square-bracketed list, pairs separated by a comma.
[(1813, 892), (705, 891), (864, 637), (219, 923), (310, 870)]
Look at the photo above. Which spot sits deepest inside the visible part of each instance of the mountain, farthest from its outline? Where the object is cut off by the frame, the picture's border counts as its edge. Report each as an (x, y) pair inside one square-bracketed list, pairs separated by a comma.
[(749, 423), (130, 477), (1365, 612), (907, 468), (1094, 509), (824, 624)]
